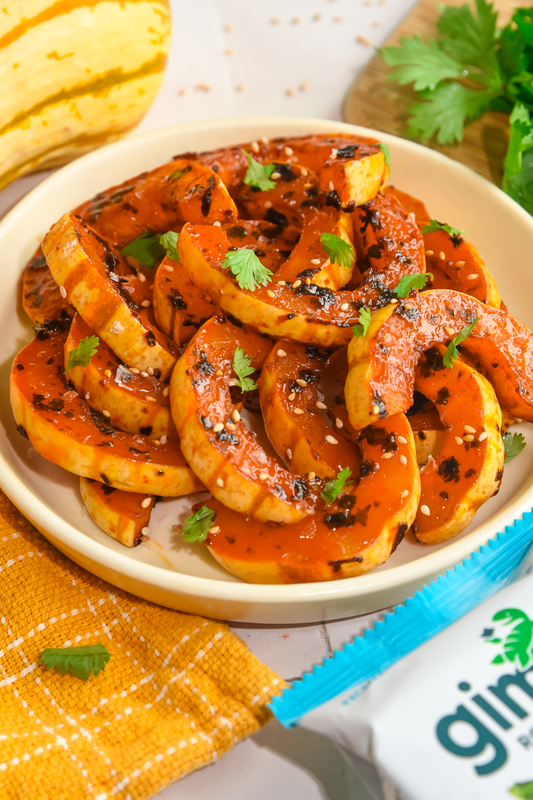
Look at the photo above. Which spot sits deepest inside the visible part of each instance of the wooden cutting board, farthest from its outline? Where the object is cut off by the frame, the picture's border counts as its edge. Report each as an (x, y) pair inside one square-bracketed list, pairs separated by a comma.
[(375, 102)]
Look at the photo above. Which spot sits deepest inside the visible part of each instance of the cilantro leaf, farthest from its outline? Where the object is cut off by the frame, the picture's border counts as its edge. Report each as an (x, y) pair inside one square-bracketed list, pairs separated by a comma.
[(169, 241), (518, 169), (334, 487), (523, 790), (81, 355), (423, 64), (409, 282), (363, 325), (196, 527), (447, 109), (145, 248), (451, 351), (258, 175), (512, 52), (470, 39), (79, 661), (385, 149), (247, 268), (513, 444), (337, 249), (442, 226), (241, 367)]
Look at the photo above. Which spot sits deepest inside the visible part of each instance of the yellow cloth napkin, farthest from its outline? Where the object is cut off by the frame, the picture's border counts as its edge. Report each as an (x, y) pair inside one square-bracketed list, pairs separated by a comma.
[(178, 691)]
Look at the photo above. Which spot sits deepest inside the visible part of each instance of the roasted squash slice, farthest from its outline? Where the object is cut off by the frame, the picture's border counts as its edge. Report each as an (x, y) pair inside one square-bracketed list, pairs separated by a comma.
[(133, 402), (347, 538), (86, 267), (223, 453), (122, 515), (41, 298), (468, 469), (65, 430), (382, 364)]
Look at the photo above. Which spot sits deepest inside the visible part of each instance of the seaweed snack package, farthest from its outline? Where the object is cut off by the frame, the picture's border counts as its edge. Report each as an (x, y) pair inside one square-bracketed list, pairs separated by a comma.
[(438, 716)]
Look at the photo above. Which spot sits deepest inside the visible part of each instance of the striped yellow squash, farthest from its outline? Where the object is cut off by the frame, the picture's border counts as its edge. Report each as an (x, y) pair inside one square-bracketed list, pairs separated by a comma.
[(75, 74)]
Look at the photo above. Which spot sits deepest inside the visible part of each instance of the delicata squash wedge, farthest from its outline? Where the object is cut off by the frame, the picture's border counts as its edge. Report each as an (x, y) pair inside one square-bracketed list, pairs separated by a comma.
[(64, 429), (382, 364), (122, 515), (85, 266)]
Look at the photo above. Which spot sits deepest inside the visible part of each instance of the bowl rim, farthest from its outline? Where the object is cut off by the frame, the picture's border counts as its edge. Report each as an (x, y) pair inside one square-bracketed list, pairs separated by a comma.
[(419, 570)]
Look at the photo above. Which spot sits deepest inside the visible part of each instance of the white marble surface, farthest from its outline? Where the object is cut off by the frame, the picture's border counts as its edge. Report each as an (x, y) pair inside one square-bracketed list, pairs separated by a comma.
[(278, 57)]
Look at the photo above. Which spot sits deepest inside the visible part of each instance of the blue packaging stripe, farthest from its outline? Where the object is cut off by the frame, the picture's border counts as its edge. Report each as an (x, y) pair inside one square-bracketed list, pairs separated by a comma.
[(421, 617)]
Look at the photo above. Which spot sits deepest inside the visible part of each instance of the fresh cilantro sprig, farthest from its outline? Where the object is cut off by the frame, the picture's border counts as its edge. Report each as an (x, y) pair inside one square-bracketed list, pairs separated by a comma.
[(451, 351), (409, 282), (79, 661), (258, 175), (338, 250), (196, 527), (442, 226), (385, 149), (333, 488), (518, 167), (513, 444), (247, 268), (522, 790), (365, 318), (81, 355), (242, 368), (148, 249)]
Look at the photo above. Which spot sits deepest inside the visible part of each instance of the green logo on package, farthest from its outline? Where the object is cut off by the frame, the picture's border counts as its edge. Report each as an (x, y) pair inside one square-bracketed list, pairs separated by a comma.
[(518, 644)]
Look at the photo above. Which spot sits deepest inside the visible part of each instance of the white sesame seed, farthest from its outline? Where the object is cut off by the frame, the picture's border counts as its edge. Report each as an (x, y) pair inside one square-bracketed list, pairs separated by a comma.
[(339, 423), (331, 439), (472, 276), (442, 255), (331, 184), (157, 442), (386, 456), (468, 438), (308, 281), (281, 353), (363, 40), (301, 382), (230, 426), (106, 414), (145, 303), (411, 213), (425, 510), (150, 398), (236, 417), (289, 455), (270, 293), (449, 330), (403, 460), (289, 92), (316, 261), (307, 185), (87, 395), (460, 263), (62, 292), (408, 306), (144, 374), (163, 438), (263, 476), (298, 411), (107, 373), (268, 204), (116, 327), (333, 154), (142, 276), (218, 427), (292, 396), (275, 176), (220, 482), (214, 529), (469, 429), (145, 531), (217, 224), (430, 253), (482, 436), (375, 410), (288, 151), (401, 439), (265, 139), (345, 307), (255, 147), (305, 172), (134, 370), (405, 493), (146, 502), (218, 373), (321, 405), (202, 87), (282, 283), (166, 390), (296, 284), (458, 440), (150, 370)]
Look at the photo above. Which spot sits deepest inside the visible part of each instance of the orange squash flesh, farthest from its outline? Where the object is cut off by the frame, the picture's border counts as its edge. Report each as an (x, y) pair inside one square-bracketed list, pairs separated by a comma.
[(62, 428), (347, 538), (136, 403), (382, 364), (41, 298), (119, 514)]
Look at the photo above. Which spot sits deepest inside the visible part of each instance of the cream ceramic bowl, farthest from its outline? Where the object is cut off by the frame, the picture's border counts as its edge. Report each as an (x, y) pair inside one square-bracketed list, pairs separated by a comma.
[(166, 570)]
